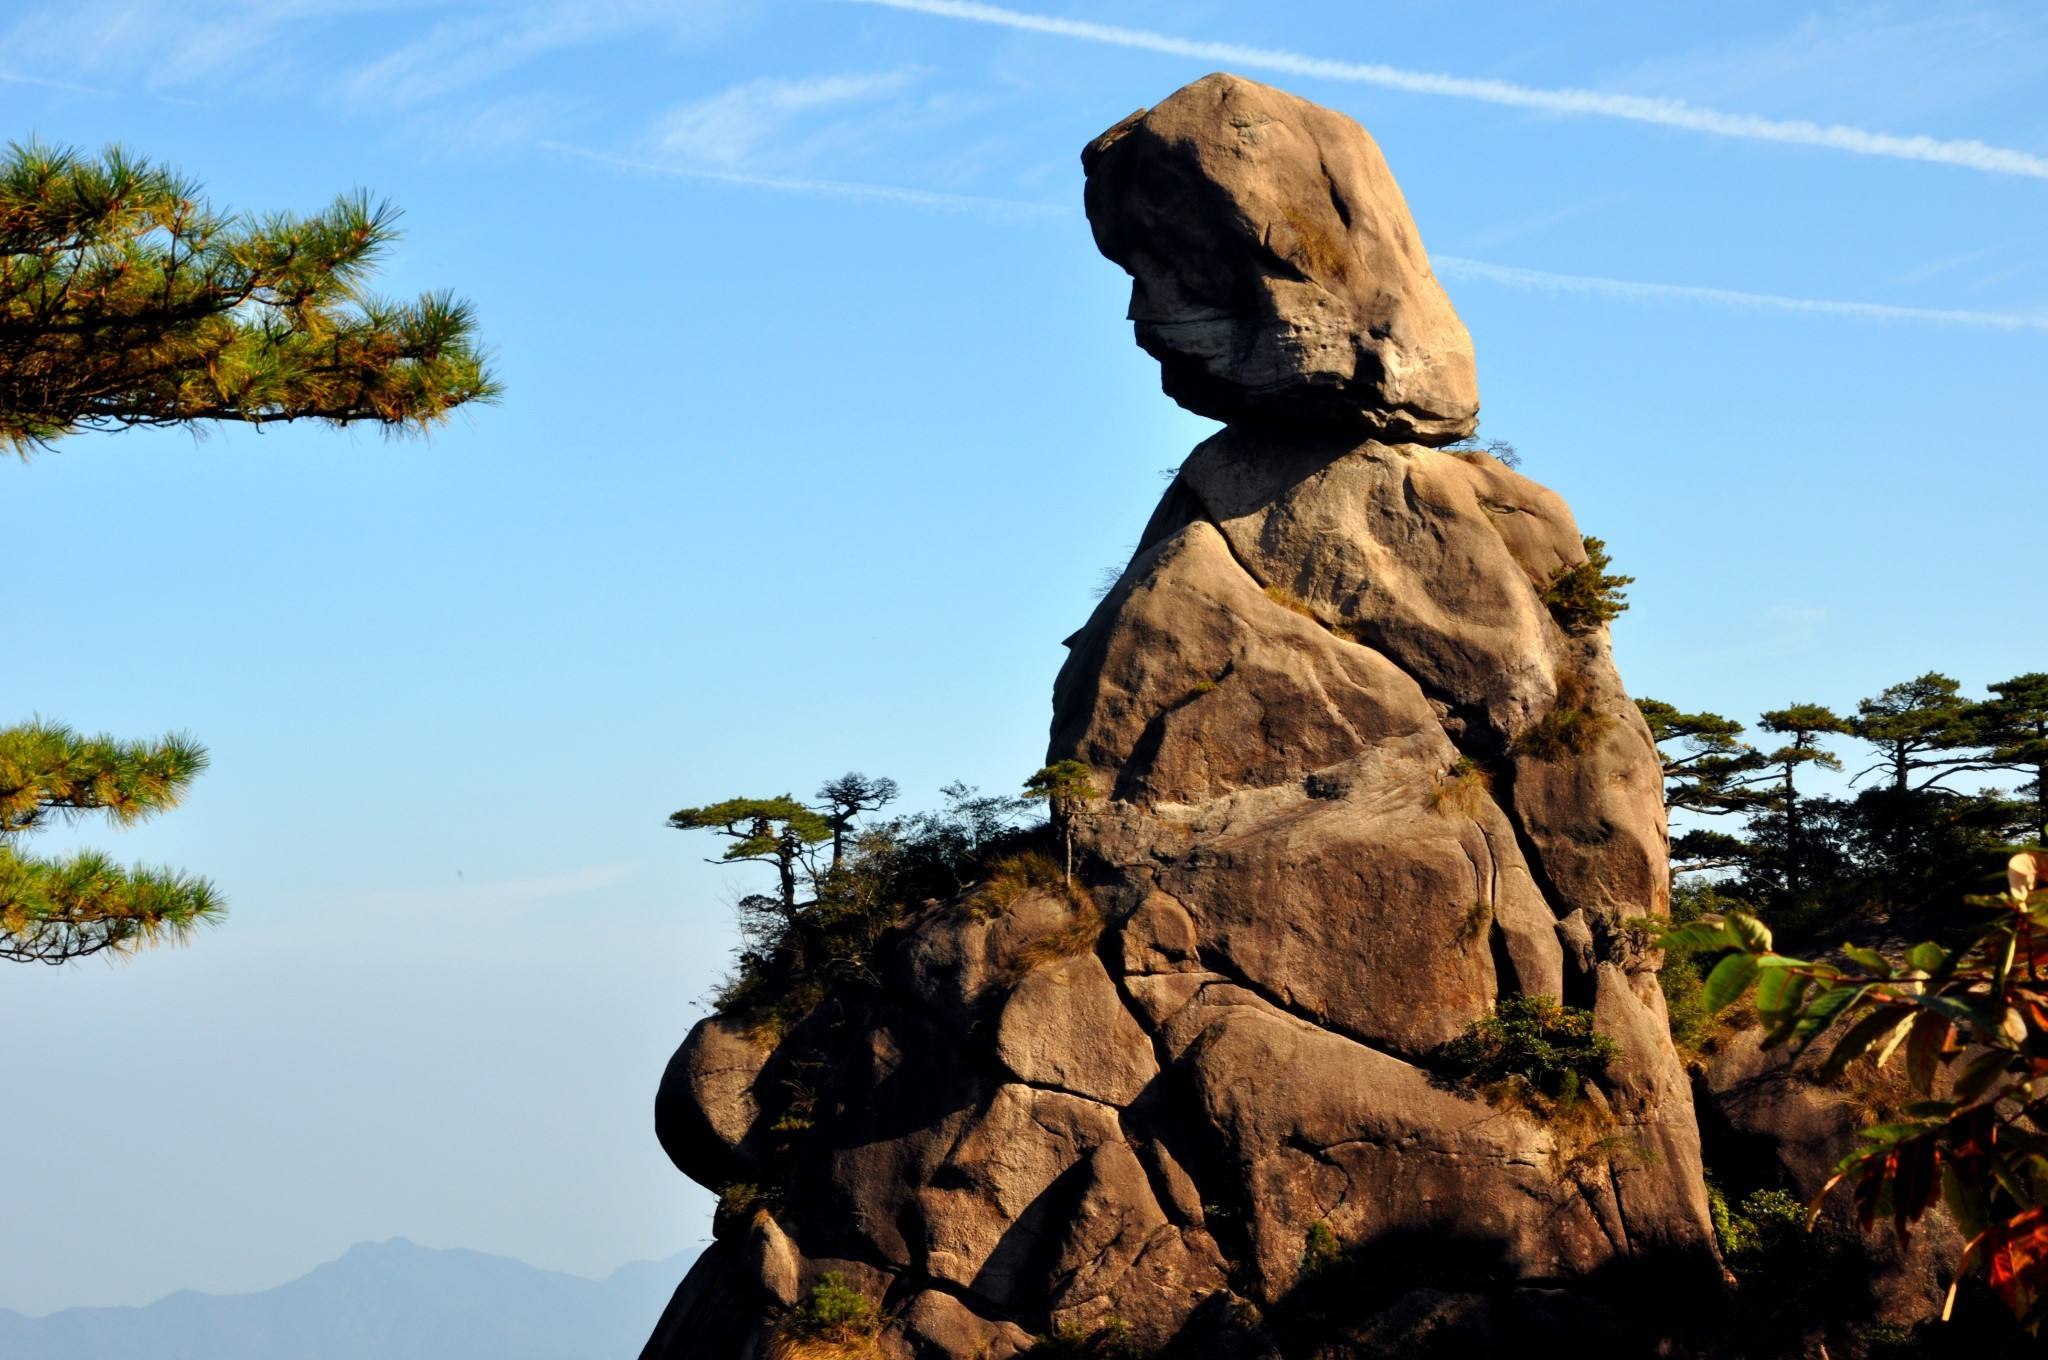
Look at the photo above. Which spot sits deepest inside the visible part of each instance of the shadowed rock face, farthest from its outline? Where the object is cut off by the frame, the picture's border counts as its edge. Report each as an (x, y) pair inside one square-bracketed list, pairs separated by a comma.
[(1333, 838), (1276, 273)]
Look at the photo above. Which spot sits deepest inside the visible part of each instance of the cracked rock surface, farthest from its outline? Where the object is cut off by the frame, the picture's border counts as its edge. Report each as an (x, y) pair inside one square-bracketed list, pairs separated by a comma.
[(1328, 845)]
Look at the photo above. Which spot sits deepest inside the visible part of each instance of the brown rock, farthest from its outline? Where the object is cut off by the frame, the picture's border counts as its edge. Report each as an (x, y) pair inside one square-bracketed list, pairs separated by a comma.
[(1339, 827), (1065, 1027), (706, 1106), (1275, 269)]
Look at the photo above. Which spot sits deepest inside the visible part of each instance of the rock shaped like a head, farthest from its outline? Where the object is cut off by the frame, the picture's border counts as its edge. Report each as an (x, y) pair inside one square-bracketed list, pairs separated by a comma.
[(1276, 273)]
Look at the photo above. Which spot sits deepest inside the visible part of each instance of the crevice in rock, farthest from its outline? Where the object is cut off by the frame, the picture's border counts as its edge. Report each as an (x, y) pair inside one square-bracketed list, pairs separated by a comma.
[(1362, 633), (1217, 962), (1620, 1209)]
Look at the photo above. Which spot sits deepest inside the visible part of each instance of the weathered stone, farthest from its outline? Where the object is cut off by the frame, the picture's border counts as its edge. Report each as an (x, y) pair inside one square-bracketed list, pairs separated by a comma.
[(773, 1260), (987, 1216), (1275, 269), (1338, 828), (706, 1106), (1066, 1027), (954, 959), (937, 1324), (1435, 561), (1159, 937)]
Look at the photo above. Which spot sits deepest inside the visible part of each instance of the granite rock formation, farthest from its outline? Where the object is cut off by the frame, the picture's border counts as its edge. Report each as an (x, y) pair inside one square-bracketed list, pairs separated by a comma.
[(1275, 271), (1361, 783)]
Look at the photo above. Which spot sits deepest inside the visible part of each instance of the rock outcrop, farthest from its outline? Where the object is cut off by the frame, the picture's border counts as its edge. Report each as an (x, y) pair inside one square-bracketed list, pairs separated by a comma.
[(1275, 272), (1361, 783)]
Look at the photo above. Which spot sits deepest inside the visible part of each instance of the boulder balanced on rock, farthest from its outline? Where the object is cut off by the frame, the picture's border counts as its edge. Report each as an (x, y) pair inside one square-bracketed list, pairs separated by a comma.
[(1275, 271), (1363, 783)]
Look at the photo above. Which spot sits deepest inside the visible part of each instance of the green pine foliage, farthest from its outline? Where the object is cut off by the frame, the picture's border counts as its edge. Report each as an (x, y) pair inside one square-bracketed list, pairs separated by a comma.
[(821, 928), (835, 1317), (1067, 788), (1320, 1249), (1537, 1040), (1582, 598), (126, 299), (55, 910), (1111, 1340)]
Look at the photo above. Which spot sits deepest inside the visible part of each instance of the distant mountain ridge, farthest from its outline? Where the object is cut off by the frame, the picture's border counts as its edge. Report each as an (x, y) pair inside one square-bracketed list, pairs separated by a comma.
[(391, 1300)]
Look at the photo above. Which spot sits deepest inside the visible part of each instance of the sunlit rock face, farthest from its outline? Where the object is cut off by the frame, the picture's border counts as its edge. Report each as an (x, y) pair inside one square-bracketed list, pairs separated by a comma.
[(1275, 271), (1322, 704)]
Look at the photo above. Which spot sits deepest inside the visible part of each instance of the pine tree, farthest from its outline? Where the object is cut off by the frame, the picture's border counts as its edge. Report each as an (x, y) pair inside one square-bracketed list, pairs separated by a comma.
[(1805, 724), (1066, 787), (52, 911), (2014, 724), (778, 831), (126, 299), (845, 798), (1919, 725)]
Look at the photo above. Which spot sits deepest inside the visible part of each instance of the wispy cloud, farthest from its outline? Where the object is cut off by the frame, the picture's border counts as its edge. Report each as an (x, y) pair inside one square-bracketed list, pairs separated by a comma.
[(827, 188), (1934, 269), (729, 127), (1675, 113), (1627, 290), (1450, 266), (458, 54), (69, 87)]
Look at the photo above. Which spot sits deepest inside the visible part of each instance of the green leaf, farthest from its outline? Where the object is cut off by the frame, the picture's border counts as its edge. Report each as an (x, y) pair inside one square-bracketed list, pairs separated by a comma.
[(1730, 979), (1865, 1032), (1749, 933), (1927, 956), (1822, 1010), (1772, 990), (1870, 960), (1700, 935)]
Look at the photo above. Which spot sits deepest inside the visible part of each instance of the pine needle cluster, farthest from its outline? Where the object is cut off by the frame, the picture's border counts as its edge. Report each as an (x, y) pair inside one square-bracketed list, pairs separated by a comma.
[(125, 299), (54, 910)]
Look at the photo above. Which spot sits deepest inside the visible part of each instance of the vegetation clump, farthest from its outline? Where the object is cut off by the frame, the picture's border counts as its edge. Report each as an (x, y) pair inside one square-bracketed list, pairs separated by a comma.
[(1473, 451), (1110, 1340), (1319, 1248), (126, 299), (1583, 597), (1569, 727), (841, 885), (1530, 1046), (1287, 599), (55, 910), (1465, 788), (1971, 1024), (1066, 787), (834, 1320)]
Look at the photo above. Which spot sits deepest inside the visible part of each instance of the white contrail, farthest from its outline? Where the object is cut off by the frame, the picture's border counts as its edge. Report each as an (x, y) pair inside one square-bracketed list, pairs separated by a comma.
[(1625, 290), (1450, 266), (830, 188), (1966, 153)]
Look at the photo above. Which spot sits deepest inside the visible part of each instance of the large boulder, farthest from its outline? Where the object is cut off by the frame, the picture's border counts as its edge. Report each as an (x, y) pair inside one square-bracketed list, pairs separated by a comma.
[(1360, 785), (1275, 269)]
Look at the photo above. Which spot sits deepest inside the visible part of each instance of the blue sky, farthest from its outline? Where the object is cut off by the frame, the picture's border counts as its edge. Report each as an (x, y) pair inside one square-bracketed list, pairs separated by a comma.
[(822, 421)]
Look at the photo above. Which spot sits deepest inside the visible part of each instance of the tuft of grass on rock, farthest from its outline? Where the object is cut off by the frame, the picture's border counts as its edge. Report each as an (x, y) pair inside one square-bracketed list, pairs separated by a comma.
[(1466, 788), (834, 1322), (1572, 725)]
